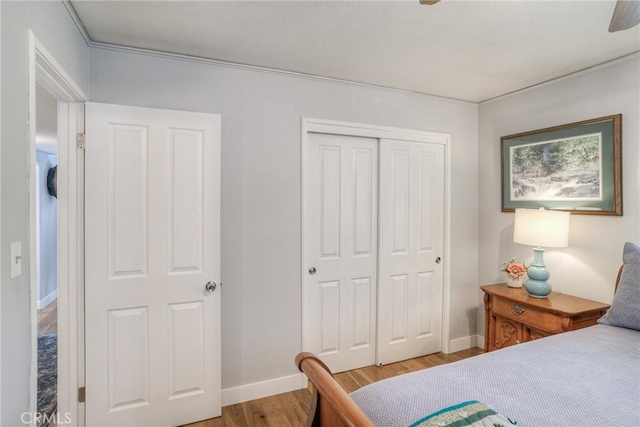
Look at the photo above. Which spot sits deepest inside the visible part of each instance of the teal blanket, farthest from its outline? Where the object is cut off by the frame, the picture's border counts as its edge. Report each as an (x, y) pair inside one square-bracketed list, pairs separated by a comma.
[(472, 413)]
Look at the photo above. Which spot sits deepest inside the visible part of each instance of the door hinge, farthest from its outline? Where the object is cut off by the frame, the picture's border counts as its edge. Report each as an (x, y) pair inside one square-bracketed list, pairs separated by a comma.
[(81, 394), (81, 141)]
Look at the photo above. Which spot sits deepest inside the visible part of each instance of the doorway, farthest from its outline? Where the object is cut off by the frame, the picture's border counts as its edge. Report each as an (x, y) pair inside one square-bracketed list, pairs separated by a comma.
[(47, 251), (375, 232), (56, 117)]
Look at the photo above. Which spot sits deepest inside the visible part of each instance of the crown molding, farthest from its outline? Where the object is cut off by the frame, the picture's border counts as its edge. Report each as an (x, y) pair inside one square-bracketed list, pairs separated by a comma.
[(76, 20), (600, 66), (190, 58), (235, 65), (256, 68)]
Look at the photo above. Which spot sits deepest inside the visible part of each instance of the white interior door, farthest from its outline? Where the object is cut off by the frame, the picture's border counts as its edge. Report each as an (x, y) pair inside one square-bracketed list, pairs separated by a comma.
[(341, 249), (411, 247), (152, 242)]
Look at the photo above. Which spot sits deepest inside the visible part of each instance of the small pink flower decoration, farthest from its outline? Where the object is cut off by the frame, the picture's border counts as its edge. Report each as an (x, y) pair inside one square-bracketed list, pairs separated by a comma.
[(514, 268)]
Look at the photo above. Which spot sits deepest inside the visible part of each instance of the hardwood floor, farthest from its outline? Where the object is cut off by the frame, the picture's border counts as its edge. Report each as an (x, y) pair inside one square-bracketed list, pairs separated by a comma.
[(48, 319), (290, 409)]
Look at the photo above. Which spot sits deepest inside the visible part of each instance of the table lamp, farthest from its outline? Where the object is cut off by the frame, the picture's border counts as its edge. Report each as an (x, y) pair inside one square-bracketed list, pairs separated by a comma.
[(540, 227)]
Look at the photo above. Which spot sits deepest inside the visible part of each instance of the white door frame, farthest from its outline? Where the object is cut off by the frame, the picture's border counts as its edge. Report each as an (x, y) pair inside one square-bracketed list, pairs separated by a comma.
[(312, 125), (46, 71)]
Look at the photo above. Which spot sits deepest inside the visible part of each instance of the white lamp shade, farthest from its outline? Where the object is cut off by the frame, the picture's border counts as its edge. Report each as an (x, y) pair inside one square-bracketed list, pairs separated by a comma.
[(541, 228)]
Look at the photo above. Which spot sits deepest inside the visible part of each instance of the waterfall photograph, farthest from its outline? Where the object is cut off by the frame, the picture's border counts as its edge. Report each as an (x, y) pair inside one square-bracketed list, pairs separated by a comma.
[(574, 167), (562, 169)]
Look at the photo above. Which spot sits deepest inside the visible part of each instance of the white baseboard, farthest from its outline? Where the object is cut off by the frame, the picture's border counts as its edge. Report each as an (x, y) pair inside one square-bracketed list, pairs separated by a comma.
[(244, 393), (465, 342), (47, 300)]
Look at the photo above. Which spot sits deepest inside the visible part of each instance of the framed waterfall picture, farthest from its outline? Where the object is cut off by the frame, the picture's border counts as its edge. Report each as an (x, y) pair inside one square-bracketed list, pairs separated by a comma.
[(574, 167)]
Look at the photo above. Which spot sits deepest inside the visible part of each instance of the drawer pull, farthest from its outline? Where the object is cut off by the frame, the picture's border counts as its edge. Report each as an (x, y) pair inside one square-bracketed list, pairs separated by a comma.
[(517, 309)]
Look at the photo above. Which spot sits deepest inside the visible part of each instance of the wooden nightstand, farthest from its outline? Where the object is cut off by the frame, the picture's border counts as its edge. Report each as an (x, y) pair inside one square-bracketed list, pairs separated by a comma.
[(512, 316)]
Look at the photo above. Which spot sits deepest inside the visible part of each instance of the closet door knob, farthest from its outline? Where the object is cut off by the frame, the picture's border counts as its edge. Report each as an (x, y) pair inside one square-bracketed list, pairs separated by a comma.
[(438, 260), (312, 271), (210, 286)]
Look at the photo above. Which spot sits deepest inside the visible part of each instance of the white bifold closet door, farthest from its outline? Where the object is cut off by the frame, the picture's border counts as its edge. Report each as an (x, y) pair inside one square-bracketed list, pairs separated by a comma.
[(341, 250), (152, 211), (411, 245)]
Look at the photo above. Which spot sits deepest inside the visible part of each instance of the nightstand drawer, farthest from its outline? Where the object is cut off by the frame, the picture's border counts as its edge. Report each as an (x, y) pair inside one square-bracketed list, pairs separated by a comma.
[(528, 315)]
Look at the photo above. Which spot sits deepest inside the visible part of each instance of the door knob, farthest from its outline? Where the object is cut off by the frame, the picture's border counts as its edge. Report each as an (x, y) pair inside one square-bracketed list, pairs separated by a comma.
[(438, 260), (312, 271), (210, 286)]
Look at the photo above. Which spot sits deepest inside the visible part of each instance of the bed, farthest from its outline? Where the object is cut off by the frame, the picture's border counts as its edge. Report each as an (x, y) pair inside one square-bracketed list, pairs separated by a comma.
[(589, 377)]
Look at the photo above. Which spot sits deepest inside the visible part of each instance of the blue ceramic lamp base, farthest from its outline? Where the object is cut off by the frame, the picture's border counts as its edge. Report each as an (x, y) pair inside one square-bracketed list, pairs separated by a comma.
[(537, 285)]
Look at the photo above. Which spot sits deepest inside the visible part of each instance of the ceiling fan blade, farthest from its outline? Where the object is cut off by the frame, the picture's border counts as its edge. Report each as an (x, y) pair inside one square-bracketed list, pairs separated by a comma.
[(429, 2), (626, 15)]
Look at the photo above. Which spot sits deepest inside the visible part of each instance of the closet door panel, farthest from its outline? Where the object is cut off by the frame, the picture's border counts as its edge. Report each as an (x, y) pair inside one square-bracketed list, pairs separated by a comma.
[(341, 249), (411, 224)]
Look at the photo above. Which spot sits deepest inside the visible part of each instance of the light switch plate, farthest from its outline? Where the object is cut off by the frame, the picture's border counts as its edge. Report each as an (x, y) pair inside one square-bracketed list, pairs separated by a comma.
[(16, 259)]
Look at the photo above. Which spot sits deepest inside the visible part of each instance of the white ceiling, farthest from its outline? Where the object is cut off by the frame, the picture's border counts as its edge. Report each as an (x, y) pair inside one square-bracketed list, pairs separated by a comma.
[(470, 50)]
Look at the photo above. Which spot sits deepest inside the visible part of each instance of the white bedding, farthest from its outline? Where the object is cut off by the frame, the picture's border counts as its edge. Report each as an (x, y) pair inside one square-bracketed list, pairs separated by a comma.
[(589, 377)]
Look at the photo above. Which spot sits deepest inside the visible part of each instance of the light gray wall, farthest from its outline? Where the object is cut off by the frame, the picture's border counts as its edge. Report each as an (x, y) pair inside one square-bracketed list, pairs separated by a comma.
[(588, 267), (1, 257), (48, 238), (261, 186), (54, 27)]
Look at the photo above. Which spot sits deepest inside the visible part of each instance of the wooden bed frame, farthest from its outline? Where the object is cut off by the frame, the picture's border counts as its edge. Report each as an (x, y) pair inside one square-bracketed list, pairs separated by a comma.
[(331, 405)]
